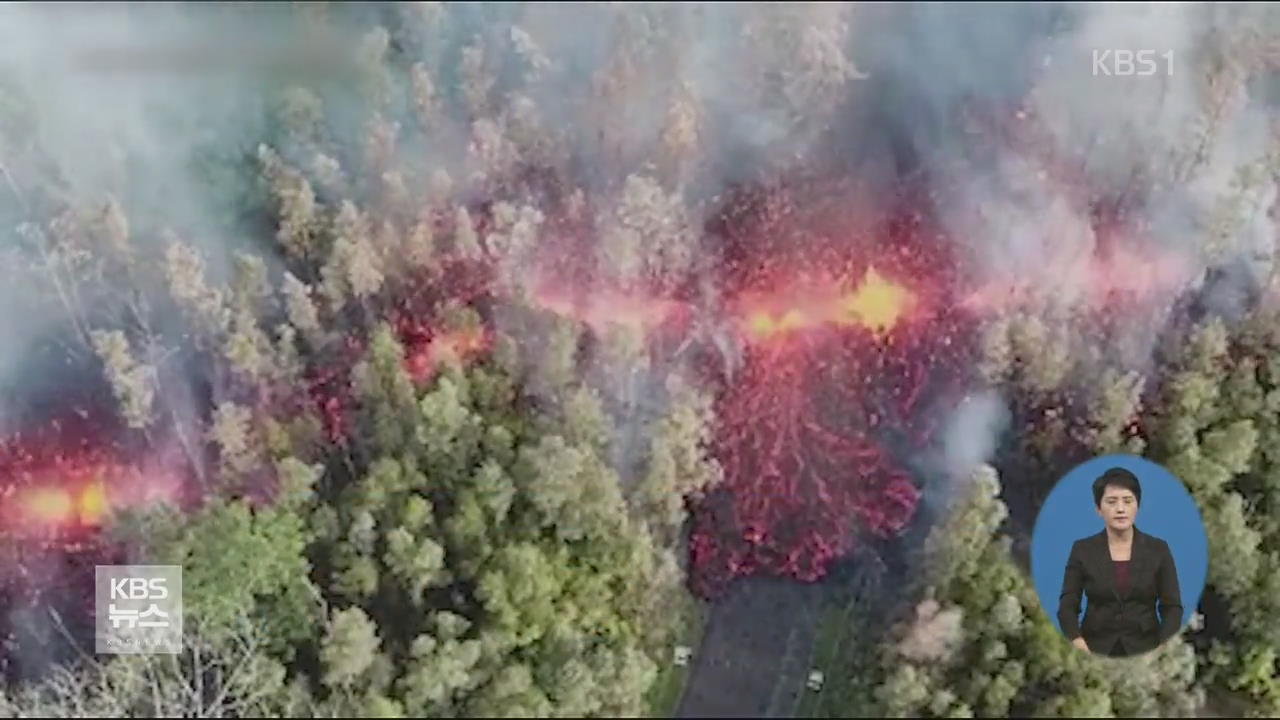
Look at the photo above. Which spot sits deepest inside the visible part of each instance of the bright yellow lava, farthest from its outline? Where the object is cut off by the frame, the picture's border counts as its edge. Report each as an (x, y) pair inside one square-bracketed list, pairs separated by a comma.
[(49, 505), (793, 319), (762, 323), (877, 303), (62, 506), (93, 503)]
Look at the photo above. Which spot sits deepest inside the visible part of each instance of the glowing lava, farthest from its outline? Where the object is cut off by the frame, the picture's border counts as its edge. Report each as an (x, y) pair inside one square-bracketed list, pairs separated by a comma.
[(80, 497), (762, 325), (878, 304), (63, 480), (874, 303), (92, 503), (46, 505), (846, 345), (422, 360), (61, 506)]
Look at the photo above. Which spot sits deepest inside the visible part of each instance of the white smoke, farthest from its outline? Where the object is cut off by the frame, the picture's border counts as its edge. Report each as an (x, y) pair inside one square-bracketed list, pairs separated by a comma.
[(972, 433), (1023, 142)]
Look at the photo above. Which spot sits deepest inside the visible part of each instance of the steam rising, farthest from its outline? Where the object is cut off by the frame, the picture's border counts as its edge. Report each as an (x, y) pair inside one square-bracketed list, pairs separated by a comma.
[(972, 432)]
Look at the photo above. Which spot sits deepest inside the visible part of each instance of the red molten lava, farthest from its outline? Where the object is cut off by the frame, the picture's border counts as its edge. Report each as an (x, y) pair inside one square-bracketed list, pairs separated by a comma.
[(58, 504), (416, 307), (424, 357), (843, 340), (58, 485), (871, 302), (797, 479), (845, 332)]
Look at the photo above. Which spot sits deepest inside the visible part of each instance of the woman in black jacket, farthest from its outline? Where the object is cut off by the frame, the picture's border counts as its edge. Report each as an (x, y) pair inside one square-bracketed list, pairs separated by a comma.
[(1126, 575)]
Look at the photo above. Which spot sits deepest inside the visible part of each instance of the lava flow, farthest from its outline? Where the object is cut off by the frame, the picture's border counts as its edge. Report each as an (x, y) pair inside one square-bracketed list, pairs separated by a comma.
[(54, 488), (839, 342), (60, 482), (874, 303), (424, 357), (844, 341), (59, 505)]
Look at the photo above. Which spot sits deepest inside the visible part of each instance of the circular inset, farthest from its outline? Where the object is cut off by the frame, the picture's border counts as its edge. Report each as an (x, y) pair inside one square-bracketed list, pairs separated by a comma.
[(1119, 555)]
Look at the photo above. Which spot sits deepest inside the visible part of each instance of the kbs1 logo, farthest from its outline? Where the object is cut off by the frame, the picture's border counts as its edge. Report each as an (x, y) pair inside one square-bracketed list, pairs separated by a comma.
[(138, 609), (1126, 63)]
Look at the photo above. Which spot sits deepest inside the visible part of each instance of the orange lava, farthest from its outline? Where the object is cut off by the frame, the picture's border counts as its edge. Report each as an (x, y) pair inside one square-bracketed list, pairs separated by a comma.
[(75, 494), (93, 504), (875, 303), (47, 505), (458, 346), (51, 505)]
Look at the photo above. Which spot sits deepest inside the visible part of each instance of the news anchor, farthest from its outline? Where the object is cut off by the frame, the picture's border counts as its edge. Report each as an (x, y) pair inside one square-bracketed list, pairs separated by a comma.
[(1126, 574)]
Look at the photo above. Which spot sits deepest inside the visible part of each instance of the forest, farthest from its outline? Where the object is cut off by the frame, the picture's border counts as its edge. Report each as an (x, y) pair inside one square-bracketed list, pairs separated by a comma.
[(467, 356)]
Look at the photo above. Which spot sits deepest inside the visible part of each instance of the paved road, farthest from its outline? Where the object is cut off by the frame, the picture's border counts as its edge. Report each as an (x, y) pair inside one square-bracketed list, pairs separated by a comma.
[(754, 656)]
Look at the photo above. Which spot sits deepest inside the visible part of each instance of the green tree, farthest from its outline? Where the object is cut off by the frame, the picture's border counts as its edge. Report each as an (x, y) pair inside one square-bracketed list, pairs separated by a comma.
[(386, 396), (132, 382), (349, 648)]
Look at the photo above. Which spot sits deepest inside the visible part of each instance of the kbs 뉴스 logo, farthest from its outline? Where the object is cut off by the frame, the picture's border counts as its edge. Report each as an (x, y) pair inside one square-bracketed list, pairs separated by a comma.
[(138, 609)]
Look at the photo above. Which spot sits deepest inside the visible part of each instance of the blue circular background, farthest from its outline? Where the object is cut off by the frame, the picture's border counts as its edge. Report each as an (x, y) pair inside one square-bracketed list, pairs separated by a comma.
[(1167, 511)]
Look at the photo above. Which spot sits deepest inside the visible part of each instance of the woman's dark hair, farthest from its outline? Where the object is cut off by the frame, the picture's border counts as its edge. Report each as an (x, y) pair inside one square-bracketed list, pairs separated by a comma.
[(1119, 477)]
